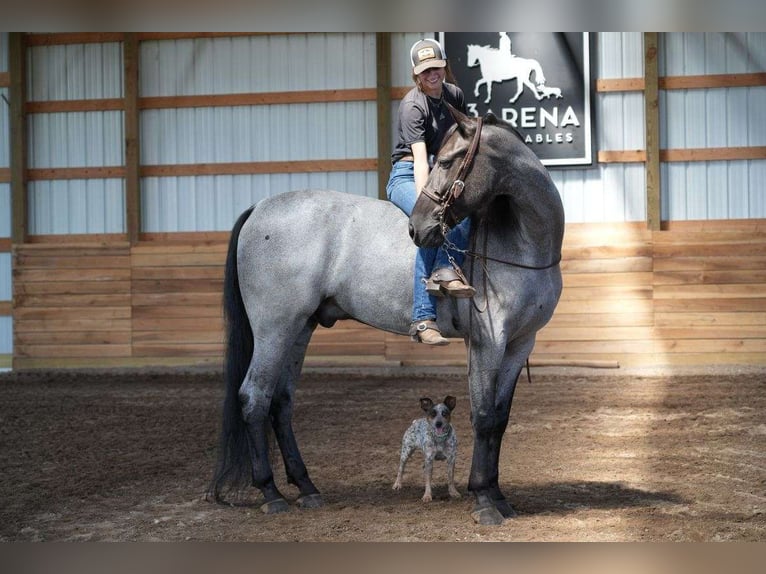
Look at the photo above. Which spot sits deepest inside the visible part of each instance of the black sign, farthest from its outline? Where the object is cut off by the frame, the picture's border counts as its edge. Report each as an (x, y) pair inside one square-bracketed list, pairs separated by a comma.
[(538, 82)]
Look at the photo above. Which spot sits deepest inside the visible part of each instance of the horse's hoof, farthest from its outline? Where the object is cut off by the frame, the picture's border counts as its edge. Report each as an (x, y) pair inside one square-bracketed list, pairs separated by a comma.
[(311, 501), (505, 508), (275, 506), (489, 516)]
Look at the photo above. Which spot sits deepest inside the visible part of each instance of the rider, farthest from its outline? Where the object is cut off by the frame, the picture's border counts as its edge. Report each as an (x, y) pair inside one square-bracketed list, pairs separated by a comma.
[(422, 122)]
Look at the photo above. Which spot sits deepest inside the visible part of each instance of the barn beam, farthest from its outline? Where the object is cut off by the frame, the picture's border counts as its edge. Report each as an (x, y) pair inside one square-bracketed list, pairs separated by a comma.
[(18, 128), (383, 60), (652, 126), (132, 140)]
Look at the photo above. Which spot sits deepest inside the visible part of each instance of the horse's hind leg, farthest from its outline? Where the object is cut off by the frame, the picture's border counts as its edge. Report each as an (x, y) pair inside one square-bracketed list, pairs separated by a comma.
[(281, 420), (259, 395)]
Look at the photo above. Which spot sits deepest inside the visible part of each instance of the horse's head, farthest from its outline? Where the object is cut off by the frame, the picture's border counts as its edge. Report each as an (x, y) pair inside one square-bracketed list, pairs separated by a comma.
[(472, 57), (458, 183)]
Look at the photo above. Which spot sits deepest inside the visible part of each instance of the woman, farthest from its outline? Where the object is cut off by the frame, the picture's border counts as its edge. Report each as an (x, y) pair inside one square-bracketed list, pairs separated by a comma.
[(422, 122)]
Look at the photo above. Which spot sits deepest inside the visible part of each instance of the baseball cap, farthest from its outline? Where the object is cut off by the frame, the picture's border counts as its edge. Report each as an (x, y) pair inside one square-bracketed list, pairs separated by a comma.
[(427, 54)]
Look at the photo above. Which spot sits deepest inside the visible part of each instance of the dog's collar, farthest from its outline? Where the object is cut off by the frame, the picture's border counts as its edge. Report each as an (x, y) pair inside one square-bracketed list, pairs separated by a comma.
[(442, 437)]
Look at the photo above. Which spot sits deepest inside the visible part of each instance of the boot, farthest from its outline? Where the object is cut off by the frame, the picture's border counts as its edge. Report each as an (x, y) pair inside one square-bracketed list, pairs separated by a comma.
[(447, 281), (427, 332)]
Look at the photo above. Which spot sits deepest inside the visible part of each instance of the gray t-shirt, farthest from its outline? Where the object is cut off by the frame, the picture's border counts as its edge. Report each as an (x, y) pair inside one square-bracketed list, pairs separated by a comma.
[(425, 119)]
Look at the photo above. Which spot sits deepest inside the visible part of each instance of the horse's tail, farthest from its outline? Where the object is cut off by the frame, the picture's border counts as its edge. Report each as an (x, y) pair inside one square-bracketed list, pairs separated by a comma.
[(234, 467)]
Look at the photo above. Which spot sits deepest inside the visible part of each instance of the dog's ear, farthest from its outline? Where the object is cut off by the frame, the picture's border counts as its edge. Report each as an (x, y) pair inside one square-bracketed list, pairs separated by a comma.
[(450, 402), (426, 404)]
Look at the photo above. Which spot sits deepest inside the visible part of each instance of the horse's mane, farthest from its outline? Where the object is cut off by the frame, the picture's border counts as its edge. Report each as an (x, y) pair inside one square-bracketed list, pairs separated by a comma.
[(492, 120)]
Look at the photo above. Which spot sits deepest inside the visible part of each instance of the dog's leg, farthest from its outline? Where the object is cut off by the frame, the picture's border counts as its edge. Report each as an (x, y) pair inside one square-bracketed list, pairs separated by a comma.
[(451, 477), (428, 470), (406, 452)]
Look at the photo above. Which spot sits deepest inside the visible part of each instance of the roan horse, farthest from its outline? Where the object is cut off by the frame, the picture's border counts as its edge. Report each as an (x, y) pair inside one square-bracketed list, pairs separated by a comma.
[(305, 258), (497, 66)]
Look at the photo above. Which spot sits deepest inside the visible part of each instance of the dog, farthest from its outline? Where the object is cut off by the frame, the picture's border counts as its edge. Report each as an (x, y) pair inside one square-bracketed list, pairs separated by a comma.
[(435, 437), (546, 92)]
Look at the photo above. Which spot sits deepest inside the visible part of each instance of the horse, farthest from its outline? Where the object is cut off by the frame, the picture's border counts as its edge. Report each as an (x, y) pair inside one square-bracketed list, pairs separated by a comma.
[(497, 66), (307, 258)]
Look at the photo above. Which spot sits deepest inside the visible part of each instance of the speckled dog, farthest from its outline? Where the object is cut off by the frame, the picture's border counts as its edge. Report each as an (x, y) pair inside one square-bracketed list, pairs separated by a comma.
[(434, 435)]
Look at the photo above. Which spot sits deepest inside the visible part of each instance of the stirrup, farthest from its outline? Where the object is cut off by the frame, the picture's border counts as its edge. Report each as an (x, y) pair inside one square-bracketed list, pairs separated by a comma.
[(427, 332), (450, 282)]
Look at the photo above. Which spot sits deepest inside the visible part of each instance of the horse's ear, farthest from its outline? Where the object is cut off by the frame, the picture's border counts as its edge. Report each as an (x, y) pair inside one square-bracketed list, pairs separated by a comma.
[(490, 119), (463, 121)]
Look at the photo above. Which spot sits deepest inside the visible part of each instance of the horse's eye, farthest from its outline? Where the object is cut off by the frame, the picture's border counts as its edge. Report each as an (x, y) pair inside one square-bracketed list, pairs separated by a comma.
[(445, 163)]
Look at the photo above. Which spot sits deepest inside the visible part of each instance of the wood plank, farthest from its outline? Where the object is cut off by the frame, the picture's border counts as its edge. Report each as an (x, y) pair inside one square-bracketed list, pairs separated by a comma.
[(187, 300), (622, 319), (713, 81), (27, 276), (652, 131), (613, 251), (742, 225), (710, 305), (67, 106), (60, 39), (622, 156), (605, 85), (29, 261), (192, 237), (71, 337), (72, 324), (87, 300), (709, 250), (210, 312), (713, 154), (710, 277), (178, 337), (78, 351), (607, 292), (709, 264), (61, 173), (5, 175), (606, 334), (6, 308), (54, 287), (717, 332), (259, 167), (730, 291), (709, 319), (572, 280), (193, 323), (197, 350), (619, 265), (5, 244), (184, 259), (211, 272), (5, 80), (258, 99), (69, 313), (168, 286), (76, 241), (714, 346)]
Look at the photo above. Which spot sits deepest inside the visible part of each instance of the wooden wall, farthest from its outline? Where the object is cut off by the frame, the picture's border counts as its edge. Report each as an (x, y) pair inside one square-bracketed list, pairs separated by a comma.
[(692, 293)]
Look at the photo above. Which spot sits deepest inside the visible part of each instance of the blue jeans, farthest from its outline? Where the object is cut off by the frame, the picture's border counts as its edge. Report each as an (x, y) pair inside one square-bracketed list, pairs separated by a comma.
[(401, 192)]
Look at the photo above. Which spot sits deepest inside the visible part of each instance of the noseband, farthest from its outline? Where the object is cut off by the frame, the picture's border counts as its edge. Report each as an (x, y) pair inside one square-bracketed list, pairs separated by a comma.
[(446, 198)]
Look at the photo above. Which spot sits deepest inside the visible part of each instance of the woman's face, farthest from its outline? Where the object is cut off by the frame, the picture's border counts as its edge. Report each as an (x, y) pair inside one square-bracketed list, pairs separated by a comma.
[(432, 79)]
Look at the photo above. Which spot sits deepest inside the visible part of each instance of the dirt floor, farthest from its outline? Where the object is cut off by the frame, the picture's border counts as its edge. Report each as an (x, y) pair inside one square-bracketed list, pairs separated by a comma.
[(588, 456)]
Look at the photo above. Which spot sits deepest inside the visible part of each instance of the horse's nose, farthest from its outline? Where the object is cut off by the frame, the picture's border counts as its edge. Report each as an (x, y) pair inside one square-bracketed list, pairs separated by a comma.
[(412, 232)]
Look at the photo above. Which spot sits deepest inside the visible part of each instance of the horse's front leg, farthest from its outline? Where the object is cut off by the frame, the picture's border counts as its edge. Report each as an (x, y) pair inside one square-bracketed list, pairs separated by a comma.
[(492, 384)]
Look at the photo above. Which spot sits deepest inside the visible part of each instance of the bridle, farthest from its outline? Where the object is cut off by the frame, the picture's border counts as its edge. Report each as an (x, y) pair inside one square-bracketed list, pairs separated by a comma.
[(445, 199)]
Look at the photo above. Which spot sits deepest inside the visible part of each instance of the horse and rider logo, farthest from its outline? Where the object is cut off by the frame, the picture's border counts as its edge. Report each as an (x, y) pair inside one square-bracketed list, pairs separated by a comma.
[(501, 64), (539, 83)]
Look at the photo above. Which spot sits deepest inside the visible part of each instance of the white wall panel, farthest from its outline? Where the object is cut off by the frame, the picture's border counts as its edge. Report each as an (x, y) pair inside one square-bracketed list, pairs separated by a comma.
[(3, 51), (76, 206), (213, 203), (76, 139), (295, 132), (6, 335), (710, 118), (5, 209)]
